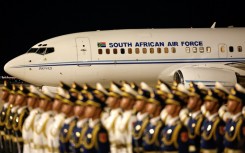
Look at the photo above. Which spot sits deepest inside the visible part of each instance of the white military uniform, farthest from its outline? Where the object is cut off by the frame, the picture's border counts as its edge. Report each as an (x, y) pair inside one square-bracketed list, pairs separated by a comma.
[(109, 124), (53, 130), (27, 131)]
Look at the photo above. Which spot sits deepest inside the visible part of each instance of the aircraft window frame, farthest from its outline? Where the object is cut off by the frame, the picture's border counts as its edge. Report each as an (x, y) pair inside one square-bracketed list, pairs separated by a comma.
[(107, 50), (187, 49), (49, 50), (239, 48), (122, 50), (173, 49), (201, 49), (152, 50), (32, 50), (194, 49), (222, 48), (159, 50), (137, 50), (208, 49), (231, 49), (41, 50), (100, 51), (130, 51), (166, 50), (114, 51), (144, 50)]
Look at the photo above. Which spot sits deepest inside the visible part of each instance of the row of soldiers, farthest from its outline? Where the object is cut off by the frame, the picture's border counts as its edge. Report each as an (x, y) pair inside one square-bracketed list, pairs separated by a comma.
[(123, 118)]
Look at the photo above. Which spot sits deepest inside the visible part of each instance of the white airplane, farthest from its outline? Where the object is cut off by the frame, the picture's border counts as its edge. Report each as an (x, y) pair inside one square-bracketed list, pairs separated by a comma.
[(193, 54)]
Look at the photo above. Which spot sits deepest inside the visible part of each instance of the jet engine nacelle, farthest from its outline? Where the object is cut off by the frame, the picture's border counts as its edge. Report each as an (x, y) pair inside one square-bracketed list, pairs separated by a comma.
[(207, 75)]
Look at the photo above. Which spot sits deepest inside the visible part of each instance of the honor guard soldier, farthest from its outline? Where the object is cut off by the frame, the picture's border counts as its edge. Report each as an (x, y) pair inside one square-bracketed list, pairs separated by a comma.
[(6, 89), (223, 93), (9, 122), (204, 89), (94, 136), (213, 126), (75, 89), (108, 118), (234, 139), (196, 117), (142, 119), (19, 118), (174, 136), (28, 126), (124, 122), (41, 119), (163, 89), (151, 136), (55, 123), (76, 138), (69, 123), (101, 92)]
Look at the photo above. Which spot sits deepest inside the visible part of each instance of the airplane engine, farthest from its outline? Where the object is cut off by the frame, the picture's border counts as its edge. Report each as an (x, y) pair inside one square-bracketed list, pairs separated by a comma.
[(206, 75)]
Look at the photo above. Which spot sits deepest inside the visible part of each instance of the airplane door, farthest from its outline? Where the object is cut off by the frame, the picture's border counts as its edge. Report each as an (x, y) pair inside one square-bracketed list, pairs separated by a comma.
[(222, 48), (83, 51)]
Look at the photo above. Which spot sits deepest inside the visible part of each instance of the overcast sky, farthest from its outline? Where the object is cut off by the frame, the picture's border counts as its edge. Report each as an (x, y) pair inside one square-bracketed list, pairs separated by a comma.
[(27, 22)]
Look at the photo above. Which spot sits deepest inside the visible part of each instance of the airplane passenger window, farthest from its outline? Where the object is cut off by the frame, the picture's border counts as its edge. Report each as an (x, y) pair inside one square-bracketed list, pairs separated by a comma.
[(49, 50), (107, 51), (194, 49), (100, 51), (201, 49), (114, 51), (41, 51), (32, 50), (239, 48), (208, 49), (129, 50), (173, 49), (144, 50), (122, 51), (165, 49), (137, 50), (159, 50), (151, 50), (222, 48), (231, 49), (187, 49)]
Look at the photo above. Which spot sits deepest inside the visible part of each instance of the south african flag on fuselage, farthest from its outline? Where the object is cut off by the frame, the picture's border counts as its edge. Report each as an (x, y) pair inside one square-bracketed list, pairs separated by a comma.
[(101, 44)]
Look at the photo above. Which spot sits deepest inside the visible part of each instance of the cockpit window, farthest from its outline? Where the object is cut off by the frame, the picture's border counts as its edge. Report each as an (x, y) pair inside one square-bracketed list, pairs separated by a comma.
[(41, 51), (49, 50), (32, 50)]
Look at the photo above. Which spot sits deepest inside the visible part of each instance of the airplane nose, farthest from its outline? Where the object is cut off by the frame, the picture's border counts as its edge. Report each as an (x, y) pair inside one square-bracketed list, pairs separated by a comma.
[(13, 68)]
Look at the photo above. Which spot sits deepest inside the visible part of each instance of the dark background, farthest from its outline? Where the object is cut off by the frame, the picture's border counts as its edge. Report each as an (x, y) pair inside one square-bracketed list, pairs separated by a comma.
[(25, 23)]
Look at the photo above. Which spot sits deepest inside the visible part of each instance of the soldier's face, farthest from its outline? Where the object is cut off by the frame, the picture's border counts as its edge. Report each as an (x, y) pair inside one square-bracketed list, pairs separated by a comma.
[(67, 109), (210, 105), (192, 102), (19, 99), (31, 101), (57, 105), (126, 103), (110, 102), (43, 103), (79, 110), (5, 95), (74, 94), (150, 108), (233, 106), (139, 105), (90, 111), (11, 98)]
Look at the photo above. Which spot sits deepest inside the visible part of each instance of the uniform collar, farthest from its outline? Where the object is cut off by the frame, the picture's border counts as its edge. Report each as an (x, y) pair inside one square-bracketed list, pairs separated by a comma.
[(140, 116), (69, 119), (81, 122), (92, 123), (211, 117), (235, 117), (195, 114), (155, 120), (21, 109), (5, 105), (14, 109), (172, 120)]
